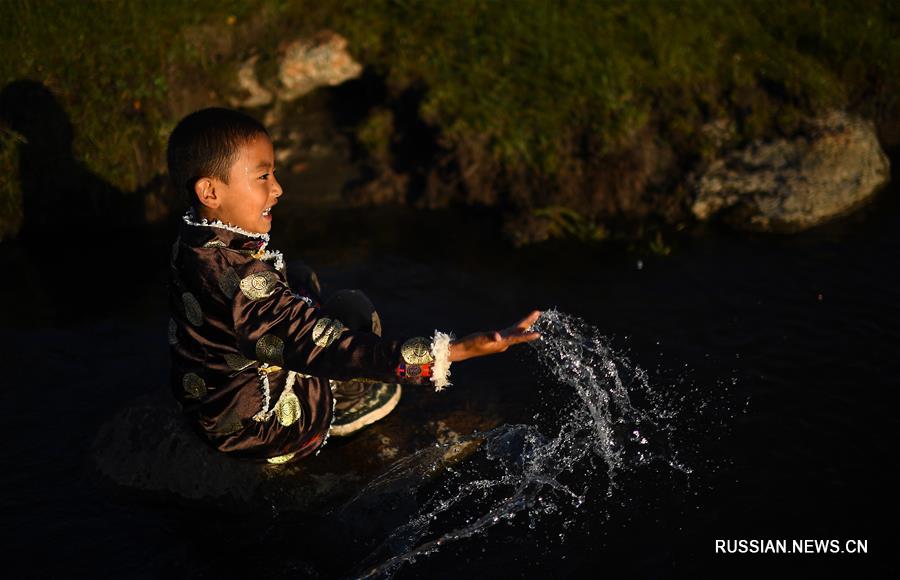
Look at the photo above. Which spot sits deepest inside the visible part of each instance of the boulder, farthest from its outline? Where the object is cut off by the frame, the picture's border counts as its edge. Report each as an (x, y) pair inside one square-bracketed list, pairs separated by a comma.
[(319, 61), (788, 185), (304, 65), (149, 449)]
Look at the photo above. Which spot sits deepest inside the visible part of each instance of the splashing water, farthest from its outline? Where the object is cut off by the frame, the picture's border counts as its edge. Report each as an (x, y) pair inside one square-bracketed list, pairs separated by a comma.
[(600, 434)]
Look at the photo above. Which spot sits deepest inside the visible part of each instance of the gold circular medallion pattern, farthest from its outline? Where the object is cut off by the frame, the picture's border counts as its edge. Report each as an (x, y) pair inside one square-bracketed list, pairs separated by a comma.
[(229, 282), (260, 285), (327, 330), (237, 362), (194, 386), (228, 425), (416, 351), (287, 410), (192, 309), (270, 349)]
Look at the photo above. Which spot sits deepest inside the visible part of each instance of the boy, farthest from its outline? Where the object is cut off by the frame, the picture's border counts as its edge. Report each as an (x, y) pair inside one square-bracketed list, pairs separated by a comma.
[(254, 360)]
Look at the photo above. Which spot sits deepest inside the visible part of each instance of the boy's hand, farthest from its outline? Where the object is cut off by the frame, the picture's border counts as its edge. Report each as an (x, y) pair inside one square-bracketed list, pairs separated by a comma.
[(492, 342)]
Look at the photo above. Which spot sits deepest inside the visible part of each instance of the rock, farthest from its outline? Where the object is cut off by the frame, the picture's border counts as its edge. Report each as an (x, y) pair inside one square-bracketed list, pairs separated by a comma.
[(305, 65), (315, 62), (302, 66), (790, 185), (257, 95), (149, 449)]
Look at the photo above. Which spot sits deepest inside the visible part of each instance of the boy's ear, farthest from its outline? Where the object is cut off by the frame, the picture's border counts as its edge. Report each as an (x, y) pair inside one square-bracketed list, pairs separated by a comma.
[(205, 190)]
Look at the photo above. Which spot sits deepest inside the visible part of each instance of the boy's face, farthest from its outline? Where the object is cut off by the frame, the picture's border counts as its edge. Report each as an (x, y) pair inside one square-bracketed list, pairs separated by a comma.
[(246, 200)]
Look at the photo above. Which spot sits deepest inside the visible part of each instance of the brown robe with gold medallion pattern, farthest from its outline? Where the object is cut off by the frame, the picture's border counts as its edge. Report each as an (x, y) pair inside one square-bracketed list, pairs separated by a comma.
[(252, 358)]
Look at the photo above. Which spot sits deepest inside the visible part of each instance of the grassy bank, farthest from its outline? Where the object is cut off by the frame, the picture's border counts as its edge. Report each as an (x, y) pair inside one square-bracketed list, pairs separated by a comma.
[(529, 72), (597, 106), (535, 103), (118, 71)]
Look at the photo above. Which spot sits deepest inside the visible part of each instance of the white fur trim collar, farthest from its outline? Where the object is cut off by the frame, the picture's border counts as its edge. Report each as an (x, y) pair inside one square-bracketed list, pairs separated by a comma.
[(190, 218)]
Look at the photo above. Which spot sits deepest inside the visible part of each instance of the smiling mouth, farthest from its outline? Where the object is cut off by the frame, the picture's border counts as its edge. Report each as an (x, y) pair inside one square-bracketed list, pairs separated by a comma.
[(267, 212)]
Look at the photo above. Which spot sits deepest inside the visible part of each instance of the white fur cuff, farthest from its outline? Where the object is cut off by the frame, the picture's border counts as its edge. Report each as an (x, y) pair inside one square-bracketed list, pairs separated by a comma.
[(440, 350)]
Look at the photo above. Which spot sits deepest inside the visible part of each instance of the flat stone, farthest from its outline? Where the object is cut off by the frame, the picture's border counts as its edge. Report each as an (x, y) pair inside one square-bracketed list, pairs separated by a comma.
[(148, 448), (789, 185)]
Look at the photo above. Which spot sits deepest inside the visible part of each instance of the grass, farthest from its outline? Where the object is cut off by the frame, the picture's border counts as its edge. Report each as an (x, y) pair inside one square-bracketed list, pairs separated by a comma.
[(10, 189), (532, 74), (111, 66), (539, 83)]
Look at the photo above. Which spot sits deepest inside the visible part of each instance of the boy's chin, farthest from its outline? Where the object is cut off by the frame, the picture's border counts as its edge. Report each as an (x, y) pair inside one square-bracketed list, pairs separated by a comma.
[(255, 229), (260, 227)]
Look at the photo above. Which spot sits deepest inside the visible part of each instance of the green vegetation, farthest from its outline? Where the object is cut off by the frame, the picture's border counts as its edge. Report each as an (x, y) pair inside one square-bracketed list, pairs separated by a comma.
[(563, 222), (539, 87), (375, 134), (114, 67), (533, 74), (10, 190)]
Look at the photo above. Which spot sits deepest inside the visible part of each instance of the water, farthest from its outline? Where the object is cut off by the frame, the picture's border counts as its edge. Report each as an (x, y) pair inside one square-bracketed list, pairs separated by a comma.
[(518, 470), (781, 425)]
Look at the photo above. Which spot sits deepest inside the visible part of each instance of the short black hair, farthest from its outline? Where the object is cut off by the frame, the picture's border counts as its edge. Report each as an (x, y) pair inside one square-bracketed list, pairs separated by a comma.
[(205, 144)]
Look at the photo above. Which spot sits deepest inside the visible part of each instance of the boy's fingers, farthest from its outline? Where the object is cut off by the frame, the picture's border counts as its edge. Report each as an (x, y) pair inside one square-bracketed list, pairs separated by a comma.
[(517, 337), (529, 337), (529, 320), (516, 333)]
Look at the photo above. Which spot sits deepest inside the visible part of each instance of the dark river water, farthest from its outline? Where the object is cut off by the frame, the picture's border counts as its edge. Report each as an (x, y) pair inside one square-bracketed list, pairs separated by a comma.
[(780, 354)]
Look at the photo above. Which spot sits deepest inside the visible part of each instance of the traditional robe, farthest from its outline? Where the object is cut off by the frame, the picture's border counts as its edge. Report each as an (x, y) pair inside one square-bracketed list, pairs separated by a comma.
[(254, 361)]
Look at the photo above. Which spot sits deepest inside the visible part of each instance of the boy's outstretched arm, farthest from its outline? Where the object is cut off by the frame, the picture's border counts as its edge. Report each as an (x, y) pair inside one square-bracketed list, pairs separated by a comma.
[(493, 342), (276, 327)]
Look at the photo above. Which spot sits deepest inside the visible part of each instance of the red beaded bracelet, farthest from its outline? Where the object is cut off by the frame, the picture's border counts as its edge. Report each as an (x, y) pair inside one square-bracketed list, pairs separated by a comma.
[(411, 371)]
